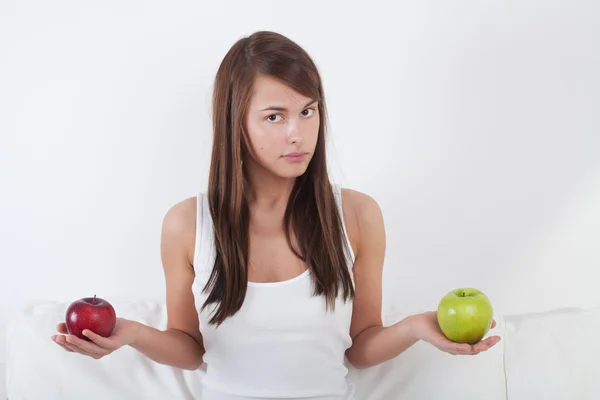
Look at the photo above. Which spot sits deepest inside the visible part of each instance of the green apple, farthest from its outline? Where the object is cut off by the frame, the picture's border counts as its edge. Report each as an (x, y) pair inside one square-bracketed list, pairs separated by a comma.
[(465, 315)]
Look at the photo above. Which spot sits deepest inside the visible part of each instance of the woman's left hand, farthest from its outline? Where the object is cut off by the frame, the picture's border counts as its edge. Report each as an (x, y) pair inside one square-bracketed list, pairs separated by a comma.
[(427, 329)]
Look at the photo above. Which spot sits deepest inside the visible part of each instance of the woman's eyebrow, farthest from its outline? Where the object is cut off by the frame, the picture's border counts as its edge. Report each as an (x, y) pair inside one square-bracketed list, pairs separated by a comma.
[(283, 109)]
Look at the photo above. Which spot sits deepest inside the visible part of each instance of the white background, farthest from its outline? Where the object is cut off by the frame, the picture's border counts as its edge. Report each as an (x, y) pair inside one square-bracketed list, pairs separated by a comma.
[(474, 124)]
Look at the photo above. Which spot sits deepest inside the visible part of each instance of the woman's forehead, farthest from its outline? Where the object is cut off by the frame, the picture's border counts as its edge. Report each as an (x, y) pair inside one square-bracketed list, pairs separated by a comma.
[(271, 93)]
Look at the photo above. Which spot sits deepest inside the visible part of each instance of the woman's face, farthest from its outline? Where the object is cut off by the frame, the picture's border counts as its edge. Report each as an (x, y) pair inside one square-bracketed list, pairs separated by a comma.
[(282, 127)]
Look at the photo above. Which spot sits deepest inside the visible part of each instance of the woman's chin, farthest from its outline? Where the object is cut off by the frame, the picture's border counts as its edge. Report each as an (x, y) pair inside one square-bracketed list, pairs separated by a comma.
[(292, 171)]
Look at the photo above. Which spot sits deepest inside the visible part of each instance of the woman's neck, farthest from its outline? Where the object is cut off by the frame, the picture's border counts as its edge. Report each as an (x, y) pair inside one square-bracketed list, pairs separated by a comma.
[(266, 190)]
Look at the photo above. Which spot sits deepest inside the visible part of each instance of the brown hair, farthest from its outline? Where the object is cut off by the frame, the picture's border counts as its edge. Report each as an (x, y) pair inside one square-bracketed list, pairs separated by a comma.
[(311, 211)]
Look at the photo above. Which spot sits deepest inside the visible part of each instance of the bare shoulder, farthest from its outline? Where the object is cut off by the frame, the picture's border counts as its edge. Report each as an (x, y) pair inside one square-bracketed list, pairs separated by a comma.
[(181, 216), (179, 227), (359, 201), (363, 216)]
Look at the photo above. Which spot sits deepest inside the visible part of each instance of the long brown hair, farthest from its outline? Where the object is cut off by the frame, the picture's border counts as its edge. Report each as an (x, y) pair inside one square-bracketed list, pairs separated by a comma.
[(311, 211)]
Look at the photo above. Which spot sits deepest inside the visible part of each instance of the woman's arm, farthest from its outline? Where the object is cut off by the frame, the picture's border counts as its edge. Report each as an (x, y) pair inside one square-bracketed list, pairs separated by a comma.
[(372, 342), (180, 344)]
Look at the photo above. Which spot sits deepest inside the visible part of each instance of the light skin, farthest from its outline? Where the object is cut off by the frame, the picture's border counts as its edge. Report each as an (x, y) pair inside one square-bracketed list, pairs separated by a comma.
[(280, 121)]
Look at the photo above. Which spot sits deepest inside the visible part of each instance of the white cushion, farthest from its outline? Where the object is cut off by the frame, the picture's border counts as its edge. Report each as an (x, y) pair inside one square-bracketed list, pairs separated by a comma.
[(553, 355), (37, 368), (424, 372), (2, 382)]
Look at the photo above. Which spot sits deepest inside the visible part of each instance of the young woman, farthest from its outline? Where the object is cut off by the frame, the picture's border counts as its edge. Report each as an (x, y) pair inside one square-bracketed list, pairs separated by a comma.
[(273, 275)]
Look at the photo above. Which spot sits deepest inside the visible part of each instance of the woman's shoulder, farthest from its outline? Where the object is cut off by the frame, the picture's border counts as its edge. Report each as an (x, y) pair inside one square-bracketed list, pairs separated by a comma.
[(182, 214), (362, 215), (179, 225), (358, 203)]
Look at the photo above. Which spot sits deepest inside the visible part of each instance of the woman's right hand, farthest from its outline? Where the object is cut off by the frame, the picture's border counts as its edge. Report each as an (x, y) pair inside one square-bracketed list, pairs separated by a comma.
[(123, 334)]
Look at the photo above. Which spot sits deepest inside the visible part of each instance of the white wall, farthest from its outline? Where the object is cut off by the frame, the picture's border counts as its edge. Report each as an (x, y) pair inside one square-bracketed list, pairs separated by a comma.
[(474, 124)]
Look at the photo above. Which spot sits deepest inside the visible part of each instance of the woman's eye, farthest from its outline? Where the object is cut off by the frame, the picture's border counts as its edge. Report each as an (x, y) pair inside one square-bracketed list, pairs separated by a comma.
[(308, 112), (273, 117)]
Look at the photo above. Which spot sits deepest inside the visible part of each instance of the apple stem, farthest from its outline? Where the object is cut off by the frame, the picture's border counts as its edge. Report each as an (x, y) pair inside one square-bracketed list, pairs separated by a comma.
[(463, 294), (94, 300)]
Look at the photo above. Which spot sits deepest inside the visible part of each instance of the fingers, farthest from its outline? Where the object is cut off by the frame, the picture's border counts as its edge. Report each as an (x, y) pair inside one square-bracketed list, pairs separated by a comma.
[(62, 342), (491, 341), (90, 348), (468, 349), (484, 345), (56, 340), (493, 324), (464, 349), (453, 348), (62, 328), (74, 344), (75, 349), (100, 341)]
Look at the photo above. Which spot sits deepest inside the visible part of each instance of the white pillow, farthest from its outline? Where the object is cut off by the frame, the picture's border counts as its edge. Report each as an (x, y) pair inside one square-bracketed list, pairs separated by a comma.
[(37, 368), (553, 355), (424, 372), (2, 382)]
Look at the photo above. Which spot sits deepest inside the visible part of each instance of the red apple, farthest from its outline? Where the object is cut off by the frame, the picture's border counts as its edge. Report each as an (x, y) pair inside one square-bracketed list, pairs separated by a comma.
[(92, 313)]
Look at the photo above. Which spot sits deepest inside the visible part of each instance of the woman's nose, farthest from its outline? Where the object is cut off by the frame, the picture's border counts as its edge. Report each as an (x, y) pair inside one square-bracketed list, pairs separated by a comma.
[(294, 133)]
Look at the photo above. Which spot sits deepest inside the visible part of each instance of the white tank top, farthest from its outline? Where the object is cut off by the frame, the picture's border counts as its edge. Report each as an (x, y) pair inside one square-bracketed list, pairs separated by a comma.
[(282, 343)]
